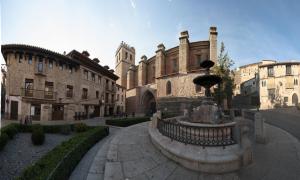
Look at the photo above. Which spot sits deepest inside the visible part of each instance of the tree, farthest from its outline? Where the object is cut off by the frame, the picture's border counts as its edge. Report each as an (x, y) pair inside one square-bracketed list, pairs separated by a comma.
[(222, 69)]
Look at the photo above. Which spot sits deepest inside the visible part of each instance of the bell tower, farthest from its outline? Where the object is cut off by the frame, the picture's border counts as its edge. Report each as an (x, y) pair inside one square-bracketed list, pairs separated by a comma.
[(125, 57)]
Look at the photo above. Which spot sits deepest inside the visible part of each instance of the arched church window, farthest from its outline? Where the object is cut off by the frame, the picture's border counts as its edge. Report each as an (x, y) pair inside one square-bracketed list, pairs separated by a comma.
[(168, 88)]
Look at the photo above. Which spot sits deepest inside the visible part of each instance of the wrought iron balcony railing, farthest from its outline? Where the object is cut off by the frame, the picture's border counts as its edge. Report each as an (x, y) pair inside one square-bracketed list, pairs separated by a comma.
[(38, 94)]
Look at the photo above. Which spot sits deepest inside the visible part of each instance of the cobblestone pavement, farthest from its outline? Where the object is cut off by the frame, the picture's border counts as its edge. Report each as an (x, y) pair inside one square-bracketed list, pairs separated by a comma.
[(285, 118), (131, 155), (20, 152), (82, 170)]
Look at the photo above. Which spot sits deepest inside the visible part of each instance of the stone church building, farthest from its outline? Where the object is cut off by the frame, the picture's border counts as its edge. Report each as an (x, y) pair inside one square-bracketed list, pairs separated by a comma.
[(165, 80)]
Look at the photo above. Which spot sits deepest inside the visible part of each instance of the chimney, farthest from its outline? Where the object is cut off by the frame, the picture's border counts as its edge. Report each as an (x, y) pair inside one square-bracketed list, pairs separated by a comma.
[(106, 67), (111, 70), (96, 60), (85, 53)]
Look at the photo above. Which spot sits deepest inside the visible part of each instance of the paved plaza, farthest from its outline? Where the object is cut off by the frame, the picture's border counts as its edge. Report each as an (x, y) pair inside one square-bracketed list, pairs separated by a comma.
[(131, 155)]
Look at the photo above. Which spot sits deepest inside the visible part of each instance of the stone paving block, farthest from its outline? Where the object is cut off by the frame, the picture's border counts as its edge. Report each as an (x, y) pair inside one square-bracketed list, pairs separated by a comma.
[(181, 173), (97, 167), (112, 154), (92, 176), (113, 171), (140, 177), (129, 153), (162, 171), (134, 168)]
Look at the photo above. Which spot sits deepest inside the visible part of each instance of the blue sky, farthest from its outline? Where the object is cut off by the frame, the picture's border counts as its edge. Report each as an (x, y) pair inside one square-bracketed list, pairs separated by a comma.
[(251, 30)]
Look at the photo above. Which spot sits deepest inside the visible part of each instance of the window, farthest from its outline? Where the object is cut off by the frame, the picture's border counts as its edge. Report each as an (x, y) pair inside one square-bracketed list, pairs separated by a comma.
[(29, 87), (69, 92), (295, 81), (175, 65), (20, 58), (86, 74), (270, 71), (107, 84), (288, 70), (40, 65), (106, 98), (84, 93), (126, 55), (122, 98), (168, 88), (99, 79), (49, 90), (285, 100), (118, 97), (113, 86), (271, 94), (198, 88), (50, 64), (112, 98), (93, 77), (97, 94), (130, 57), (28, 83), (30, 59), (70, 69), (199, 60), (61, 66)]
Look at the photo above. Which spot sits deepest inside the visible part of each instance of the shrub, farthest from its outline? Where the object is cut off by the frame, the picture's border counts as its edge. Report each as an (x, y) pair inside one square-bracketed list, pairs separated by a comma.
[(65, 129), (3, 140), (126, 121), (38, 135), (10, 130), (80, 127), (60, 162)]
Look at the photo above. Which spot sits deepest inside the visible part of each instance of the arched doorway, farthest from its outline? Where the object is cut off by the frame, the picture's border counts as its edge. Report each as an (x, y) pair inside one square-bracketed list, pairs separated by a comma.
[(149, 103), (295, 99)]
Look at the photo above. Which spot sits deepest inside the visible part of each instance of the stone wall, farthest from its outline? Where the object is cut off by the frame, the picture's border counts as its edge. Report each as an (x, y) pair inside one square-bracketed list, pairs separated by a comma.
[(176, 105)]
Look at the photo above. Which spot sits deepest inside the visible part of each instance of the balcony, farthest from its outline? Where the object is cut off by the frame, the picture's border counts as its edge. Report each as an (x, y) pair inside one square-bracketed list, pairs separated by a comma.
[(113, 90), (38, 94)]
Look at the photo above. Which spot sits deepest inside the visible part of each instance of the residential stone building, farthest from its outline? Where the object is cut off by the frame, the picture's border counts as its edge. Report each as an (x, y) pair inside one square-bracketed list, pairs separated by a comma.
[(120, 100), (46, 85), (268, 83), (279, 84), (165, 80)]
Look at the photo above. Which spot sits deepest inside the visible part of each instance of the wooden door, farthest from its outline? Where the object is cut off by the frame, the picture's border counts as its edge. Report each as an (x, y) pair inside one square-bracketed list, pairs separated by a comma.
[(14, 110)]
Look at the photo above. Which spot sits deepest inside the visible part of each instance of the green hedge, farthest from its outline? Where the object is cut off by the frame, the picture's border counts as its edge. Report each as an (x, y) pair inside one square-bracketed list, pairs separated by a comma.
[(124, 122), (60, 162), (12, 129)]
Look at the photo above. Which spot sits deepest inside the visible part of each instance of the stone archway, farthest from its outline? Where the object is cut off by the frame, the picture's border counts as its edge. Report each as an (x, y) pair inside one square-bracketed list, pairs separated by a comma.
[(294, 99), (148, 103)]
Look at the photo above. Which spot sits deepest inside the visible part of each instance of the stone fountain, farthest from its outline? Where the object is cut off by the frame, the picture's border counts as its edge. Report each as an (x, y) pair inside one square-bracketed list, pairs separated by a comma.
[(203, 140), (208, 111)]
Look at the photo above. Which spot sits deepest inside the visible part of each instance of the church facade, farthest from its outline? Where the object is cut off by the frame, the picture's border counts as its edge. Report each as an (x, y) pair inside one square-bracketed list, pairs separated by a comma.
[(165, 80)]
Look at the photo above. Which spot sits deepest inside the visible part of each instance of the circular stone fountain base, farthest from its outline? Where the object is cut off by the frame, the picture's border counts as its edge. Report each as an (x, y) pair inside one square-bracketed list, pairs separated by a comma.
[(209, 159)]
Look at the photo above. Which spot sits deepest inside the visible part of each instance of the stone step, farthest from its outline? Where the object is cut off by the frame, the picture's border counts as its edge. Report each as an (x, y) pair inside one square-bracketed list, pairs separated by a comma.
[(97, 168)]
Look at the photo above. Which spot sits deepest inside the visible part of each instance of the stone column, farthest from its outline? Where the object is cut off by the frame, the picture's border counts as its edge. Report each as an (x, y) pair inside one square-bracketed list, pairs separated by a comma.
[(160, 61), (213, 44), (142, 71), (183, 52), (130, 78)]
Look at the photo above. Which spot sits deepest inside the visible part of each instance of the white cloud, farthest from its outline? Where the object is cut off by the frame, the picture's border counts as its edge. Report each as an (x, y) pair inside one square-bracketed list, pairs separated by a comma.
[(132, 4)]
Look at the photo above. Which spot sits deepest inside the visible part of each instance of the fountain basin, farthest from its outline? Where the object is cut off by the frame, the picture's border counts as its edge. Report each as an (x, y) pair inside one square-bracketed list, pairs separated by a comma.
[(207, 80)]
